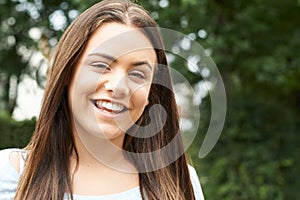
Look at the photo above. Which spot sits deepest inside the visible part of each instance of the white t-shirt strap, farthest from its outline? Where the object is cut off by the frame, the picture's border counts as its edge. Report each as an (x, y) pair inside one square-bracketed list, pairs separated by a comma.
[(23, 156), (196, 184)]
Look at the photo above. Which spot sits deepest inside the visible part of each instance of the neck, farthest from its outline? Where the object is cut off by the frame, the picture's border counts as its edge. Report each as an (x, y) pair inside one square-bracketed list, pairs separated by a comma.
[(102, 152)]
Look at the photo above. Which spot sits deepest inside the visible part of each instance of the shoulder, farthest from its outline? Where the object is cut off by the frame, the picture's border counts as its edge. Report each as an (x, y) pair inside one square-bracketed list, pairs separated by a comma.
[(10, 158), (9, 175), (196, 183)]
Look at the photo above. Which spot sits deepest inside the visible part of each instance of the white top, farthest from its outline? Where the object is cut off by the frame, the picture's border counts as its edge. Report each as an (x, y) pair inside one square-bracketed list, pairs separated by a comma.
[(9, 178)]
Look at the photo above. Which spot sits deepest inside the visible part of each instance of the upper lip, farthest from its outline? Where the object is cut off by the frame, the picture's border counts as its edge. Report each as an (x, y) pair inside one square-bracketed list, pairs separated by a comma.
[(111, 101)]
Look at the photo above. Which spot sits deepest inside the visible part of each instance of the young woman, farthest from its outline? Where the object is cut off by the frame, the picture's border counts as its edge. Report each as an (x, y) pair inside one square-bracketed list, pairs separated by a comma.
[(101, 133)]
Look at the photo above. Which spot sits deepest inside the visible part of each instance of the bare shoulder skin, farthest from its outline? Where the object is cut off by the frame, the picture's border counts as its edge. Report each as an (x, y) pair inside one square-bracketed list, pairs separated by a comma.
[(14, 159)]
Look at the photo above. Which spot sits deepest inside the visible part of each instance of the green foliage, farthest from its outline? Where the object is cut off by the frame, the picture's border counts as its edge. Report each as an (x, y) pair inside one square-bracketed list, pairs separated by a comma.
[(256, 156), (255, 47), (15, 133), (18, 46)]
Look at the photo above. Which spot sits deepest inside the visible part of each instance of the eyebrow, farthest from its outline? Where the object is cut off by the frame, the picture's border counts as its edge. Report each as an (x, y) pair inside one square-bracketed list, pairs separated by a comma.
[(113, 59)]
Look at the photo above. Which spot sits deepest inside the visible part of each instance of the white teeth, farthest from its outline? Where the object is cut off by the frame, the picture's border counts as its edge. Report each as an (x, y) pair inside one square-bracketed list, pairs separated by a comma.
[(110, 106)]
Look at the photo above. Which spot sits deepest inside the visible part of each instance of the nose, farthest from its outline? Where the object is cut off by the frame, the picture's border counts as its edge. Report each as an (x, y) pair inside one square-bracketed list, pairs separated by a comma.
[(117, 85)]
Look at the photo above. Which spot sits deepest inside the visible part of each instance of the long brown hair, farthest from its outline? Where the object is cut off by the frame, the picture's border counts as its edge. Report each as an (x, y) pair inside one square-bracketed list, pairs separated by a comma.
[(47, 170)]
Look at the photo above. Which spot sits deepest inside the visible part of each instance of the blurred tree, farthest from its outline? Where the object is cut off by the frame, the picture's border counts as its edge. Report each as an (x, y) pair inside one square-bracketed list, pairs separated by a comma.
[(255, 45), (15, 133), (28, 28)]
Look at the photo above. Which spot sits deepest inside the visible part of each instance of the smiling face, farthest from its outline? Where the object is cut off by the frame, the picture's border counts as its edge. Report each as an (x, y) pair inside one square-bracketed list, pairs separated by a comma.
[(111, 83)]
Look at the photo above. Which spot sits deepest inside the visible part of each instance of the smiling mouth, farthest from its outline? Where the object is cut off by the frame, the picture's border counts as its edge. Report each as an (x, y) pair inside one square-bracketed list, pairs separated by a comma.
[(110, 107)]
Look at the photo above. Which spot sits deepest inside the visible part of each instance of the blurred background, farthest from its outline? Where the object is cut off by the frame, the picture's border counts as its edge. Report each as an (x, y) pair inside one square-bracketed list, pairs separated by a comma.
[(255, 45)]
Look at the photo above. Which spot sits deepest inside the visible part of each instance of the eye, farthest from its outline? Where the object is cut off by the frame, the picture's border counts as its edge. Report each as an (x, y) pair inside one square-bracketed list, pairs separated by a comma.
[(101, 66), (137, 74)]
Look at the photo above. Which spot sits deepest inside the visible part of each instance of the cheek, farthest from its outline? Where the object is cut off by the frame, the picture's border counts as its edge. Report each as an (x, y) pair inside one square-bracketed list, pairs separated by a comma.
[(84, 81), (140, 97), (81, 86)]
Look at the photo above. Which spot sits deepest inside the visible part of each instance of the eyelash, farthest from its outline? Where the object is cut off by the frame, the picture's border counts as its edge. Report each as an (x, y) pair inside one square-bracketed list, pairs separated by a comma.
[(138, 74), (101, 65), (104, 67)]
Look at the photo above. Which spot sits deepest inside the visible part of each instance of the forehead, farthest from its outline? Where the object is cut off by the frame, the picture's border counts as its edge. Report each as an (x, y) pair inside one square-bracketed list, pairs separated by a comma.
[(119, 39)]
